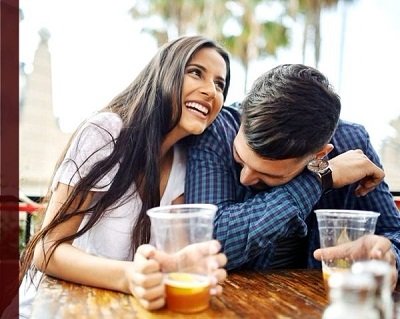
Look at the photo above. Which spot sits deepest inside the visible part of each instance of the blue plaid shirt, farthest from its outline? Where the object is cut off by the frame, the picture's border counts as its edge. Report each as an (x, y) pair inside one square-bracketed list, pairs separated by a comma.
[(250, 224)]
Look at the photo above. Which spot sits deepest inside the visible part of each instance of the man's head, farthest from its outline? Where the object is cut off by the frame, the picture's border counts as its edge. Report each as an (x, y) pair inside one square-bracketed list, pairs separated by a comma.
[(288, 118)]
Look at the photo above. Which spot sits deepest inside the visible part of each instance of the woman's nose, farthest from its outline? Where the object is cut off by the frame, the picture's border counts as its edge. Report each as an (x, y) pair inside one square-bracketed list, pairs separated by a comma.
[(209, 89)]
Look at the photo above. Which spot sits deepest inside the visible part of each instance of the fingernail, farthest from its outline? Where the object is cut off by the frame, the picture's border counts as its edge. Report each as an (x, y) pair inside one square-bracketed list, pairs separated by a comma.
[(213, 291)]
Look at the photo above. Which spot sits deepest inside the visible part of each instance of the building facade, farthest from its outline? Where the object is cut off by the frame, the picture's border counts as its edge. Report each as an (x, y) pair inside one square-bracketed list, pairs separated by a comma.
[(41, 140)]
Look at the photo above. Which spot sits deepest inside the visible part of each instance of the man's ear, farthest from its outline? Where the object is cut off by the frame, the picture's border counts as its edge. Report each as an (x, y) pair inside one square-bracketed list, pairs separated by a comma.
[(325, 150)]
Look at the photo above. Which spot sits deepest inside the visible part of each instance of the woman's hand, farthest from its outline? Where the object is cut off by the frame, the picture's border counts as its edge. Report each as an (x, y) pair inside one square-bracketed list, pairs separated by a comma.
[(366, 247), (145, 279), (203, 258), (213, 259)]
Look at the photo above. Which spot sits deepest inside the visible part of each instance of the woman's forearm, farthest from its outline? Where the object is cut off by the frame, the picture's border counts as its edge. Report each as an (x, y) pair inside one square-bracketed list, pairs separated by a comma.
[(72, 264)]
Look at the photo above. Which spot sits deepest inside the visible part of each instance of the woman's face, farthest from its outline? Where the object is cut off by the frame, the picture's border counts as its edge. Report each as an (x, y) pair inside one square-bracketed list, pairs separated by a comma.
[(202, 93)]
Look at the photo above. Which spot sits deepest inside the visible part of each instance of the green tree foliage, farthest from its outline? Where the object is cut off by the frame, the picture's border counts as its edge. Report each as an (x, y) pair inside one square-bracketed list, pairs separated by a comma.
[(244, 27), (166, 19), (311, 10), (259, 35)]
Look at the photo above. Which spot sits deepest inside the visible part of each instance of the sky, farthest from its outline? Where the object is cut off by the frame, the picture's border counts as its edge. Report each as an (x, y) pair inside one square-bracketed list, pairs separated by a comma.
[(97, 49)]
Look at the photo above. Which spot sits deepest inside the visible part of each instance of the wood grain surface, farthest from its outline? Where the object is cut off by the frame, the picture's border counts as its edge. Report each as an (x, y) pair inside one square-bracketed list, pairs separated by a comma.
[(272, 294)]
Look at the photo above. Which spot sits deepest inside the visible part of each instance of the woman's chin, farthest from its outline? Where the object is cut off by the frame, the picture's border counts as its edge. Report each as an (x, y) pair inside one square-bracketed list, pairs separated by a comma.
[(199, 131), (196, 130)]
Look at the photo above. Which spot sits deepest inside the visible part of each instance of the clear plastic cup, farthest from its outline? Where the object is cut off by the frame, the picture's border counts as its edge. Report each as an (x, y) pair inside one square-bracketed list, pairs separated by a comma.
[(179, 231), (340, 226)]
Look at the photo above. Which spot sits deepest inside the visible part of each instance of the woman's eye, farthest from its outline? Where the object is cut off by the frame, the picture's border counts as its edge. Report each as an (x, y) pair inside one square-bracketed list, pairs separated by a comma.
[(220, 85), (195, 72)]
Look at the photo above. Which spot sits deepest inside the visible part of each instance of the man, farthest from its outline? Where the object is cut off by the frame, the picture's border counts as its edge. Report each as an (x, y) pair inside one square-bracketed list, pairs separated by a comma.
[(254, 167)]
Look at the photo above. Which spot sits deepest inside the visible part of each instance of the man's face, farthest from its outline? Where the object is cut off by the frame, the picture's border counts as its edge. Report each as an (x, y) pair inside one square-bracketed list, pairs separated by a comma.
[(259, 172)]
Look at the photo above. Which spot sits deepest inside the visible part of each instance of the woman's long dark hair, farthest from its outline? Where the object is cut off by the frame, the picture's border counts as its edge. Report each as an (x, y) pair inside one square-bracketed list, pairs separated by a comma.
[(149, 108)]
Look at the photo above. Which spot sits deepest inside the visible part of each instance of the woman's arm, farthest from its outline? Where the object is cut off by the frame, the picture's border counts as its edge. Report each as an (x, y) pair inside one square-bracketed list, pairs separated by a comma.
[(142, 277)]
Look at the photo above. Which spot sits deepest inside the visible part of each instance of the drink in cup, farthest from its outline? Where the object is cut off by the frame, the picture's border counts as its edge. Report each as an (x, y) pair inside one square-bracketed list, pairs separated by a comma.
[(340, 226), (187, 292), (178, 230)]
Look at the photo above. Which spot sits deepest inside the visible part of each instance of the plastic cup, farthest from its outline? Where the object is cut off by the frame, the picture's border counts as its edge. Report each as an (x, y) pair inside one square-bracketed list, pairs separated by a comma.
[(339, 226), (179, 230)]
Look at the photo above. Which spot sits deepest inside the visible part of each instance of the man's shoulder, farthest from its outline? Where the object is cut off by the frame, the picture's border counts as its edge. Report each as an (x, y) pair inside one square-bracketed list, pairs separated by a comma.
[(349, 129), (227, 122), (350, 135), (229, 114)]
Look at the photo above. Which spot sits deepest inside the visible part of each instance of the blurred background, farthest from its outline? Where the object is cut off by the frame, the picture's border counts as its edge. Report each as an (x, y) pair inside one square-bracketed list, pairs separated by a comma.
[(76, 55)]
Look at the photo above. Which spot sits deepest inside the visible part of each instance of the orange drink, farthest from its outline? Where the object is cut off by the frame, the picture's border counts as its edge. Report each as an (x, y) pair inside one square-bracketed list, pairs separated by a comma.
[(187, 293)]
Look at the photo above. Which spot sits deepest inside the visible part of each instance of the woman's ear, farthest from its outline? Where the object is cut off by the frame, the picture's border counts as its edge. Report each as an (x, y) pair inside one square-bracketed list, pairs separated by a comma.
[(325, 150)]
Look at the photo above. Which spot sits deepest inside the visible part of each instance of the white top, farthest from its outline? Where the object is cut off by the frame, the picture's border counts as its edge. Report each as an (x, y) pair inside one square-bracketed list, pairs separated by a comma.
[(111, 236)]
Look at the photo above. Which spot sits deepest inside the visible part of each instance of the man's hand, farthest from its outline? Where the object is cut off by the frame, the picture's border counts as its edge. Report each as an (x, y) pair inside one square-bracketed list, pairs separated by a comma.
[(366, 247), (354, 166)]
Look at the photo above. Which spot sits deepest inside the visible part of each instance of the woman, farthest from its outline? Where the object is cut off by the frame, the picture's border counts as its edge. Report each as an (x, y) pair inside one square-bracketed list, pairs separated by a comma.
[(123, 161)]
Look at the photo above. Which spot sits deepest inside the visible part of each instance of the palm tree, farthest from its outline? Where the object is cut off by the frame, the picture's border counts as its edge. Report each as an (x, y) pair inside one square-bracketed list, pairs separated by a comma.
[(311, 10), (177, 16), (256, 37)]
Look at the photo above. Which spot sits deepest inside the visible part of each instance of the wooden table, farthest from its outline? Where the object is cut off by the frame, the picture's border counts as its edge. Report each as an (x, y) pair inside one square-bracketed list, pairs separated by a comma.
[(272, 294)]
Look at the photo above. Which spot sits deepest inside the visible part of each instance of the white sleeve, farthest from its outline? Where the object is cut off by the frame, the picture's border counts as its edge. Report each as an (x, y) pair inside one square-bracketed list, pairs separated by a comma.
[(93, 142)]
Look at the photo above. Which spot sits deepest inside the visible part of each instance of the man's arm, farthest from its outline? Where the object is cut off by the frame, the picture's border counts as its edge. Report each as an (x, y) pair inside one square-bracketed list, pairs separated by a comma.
[(245, 226), (249, 225)]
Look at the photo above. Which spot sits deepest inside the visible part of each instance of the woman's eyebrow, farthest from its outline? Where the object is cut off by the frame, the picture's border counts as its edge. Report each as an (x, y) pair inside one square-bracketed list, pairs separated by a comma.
[(198, 65), (219, 77)]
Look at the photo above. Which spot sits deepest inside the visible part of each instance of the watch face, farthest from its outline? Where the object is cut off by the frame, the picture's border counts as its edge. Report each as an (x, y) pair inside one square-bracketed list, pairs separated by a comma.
[(318, 165)]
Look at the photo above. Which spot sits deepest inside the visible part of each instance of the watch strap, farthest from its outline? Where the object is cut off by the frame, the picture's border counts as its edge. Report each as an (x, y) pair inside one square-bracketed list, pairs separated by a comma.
[(326, 180)]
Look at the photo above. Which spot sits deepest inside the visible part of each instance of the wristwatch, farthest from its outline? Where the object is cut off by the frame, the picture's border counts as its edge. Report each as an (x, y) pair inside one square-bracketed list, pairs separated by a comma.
[(320, 167)]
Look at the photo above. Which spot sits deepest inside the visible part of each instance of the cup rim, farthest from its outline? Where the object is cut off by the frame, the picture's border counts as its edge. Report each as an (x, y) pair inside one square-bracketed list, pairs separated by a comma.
[(346, 213), (156, 212)]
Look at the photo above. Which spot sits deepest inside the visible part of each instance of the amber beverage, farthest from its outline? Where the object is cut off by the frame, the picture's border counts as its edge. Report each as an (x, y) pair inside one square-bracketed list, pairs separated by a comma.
[(187, 293)]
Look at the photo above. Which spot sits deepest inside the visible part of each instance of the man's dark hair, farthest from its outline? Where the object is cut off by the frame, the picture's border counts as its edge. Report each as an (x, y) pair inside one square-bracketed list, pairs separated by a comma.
[(291, 111)]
